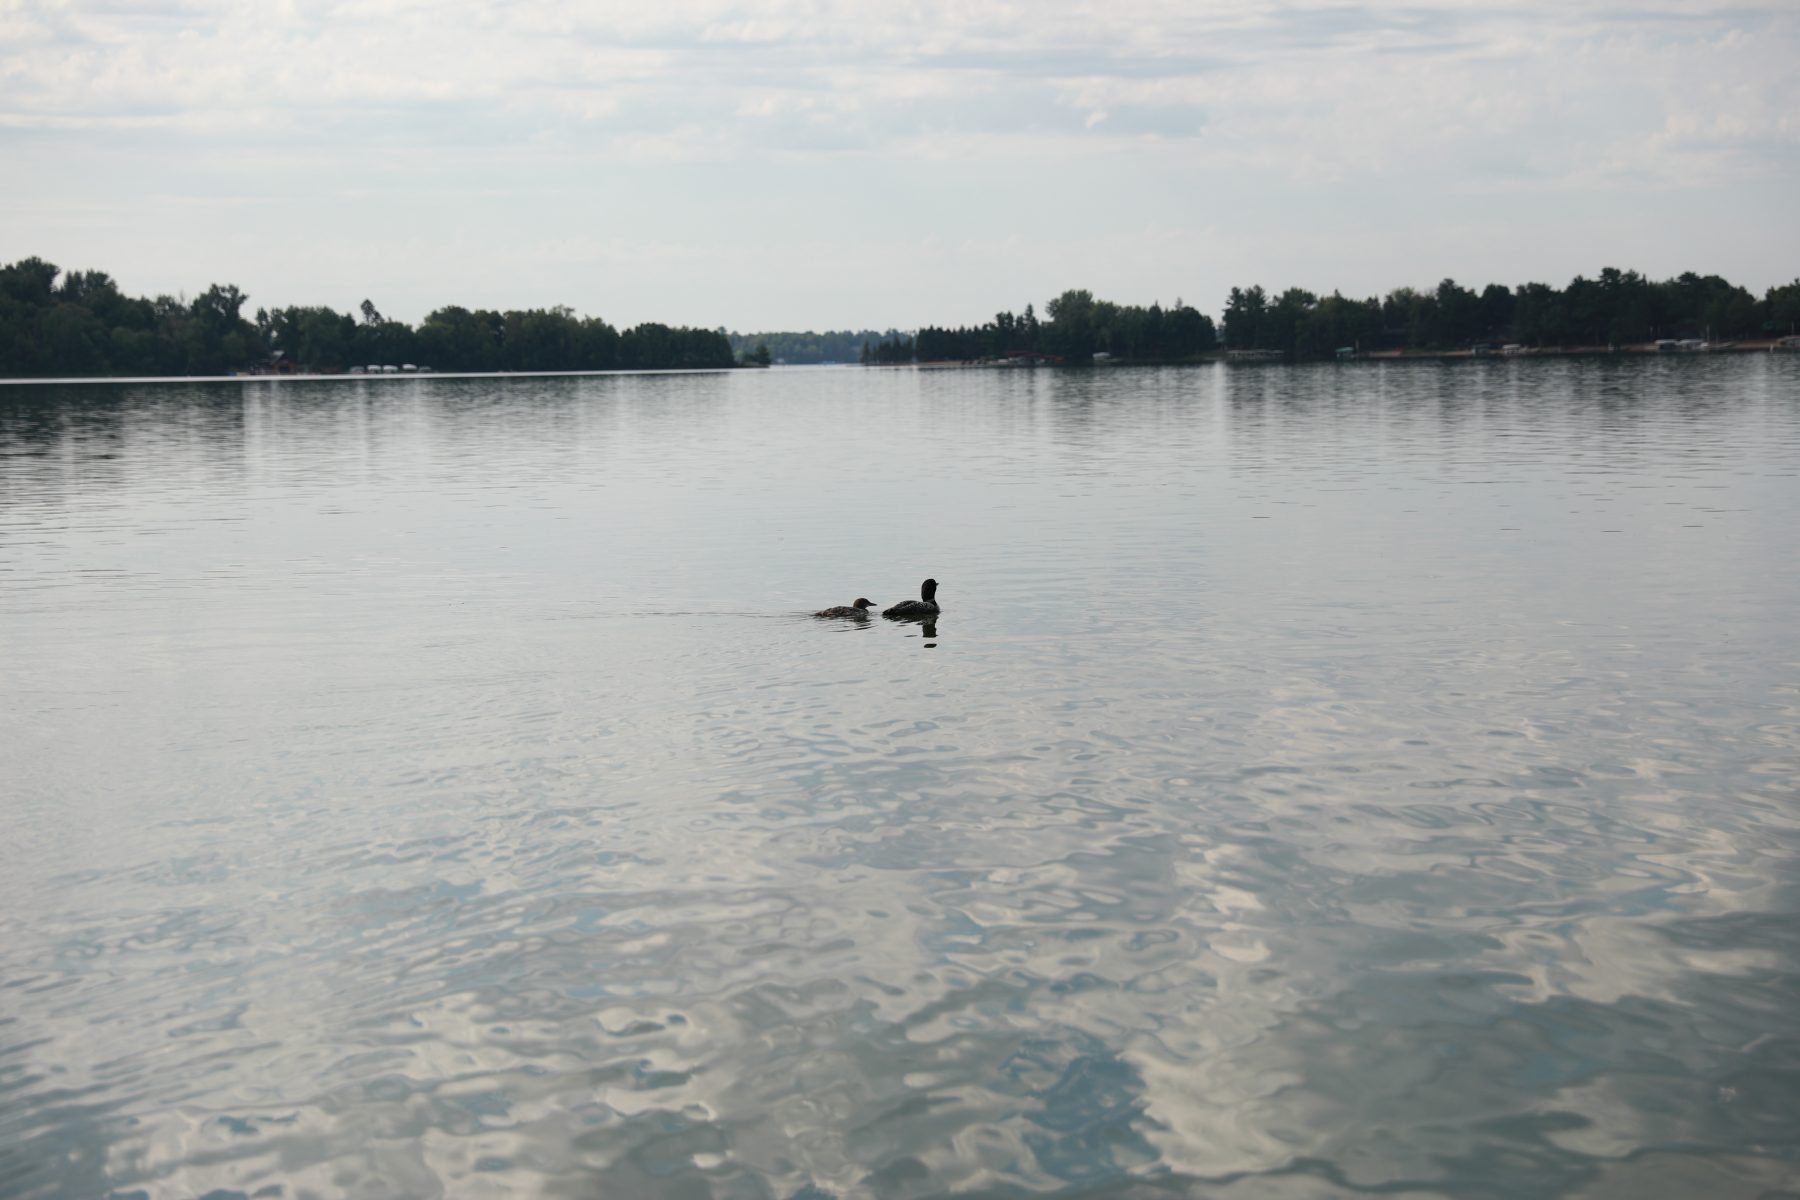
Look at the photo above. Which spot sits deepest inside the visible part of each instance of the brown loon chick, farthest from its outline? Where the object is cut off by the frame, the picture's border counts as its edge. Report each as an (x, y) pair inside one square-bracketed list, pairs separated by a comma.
[(925, 606), (859, 609)]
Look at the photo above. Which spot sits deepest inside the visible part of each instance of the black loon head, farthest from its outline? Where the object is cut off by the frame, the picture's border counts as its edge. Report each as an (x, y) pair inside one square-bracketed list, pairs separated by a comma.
[(862, 603), (928, 590)]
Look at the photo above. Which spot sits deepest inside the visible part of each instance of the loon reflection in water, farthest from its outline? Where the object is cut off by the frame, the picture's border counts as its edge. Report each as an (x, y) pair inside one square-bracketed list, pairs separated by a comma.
[(916, 610), (858, 611)]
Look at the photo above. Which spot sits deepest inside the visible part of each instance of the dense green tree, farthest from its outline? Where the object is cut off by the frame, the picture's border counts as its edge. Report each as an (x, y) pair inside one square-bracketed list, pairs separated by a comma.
[(216, 339), (1537, 313), (1497, 305), (656, 346), (892, 350), (1069, 334), (1456, 317), (1188, 331), (315, 337), (1782, 309), (1005, 336), (1334, 323), (455, 339), (1078, 327), (30, 281), (1244, 312), (76, 340)]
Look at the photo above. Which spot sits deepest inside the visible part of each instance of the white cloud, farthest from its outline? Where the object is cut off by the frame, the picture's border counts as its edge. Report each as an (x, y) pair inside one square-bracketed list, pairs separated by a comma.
[(1332, 81), (1273, 107)]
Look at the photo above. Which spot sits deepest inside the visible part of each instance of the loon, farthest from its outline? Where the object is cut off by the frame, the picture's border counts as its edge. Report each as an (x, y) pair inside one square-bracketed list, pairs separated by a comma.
[(859, 609), (925, 606)]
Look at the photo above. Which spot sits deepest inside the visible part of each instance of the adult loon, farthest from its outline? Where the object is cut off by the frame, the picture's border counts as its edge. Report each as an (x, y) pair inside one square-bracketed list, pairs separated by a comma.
[(925, 606), (859, 609)]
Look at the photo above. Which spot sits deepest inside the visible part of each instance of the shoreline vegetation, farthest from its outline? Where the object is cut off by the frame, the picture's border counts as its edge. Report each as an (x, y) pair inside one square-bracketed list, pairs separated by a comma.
[(806, 348), (1616, 312), (71, 324), (57, 324)]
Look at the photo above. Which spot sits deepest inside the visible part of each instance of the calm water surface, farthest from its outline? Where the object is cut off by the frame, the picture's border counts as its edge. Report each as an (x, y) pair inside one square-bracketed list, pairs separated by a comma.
[(1320, 782)]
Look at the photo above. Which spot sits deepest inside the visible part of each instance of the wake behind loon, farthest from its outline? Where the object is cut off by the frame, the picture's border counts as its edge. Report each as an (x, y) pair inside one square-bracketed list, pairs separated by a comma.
[(860, 609), (925, 606)]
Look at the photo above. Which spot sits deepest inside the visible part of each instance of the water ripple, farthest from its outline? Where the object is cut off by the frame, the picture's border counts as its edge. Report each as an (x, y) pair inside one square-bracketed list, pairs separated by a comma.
[(1322, 781)]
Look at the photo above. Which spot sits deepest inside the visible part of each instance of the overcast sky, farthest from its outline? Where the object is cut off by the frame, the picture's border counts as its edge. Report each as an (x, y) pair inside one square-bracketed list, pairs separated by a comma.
[(807, 163)]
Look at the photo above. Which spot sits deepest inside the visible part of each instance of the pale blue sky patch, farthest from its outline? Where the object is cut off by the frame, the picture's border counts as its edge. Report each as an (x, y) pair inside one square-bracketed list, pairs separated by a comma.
[(790, 163)]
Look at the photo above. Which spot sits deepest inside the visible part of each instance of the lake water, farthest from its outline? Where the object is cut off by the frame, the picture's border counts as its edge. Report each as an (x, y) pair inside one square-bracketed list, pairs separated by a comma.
[(1321, 781)]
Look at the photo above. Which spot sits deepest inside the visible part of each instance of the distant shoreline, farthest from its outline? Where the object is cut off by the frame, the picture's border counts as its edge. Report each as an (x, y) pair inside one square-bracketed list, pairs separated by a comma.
[(1277, 359), (1222, 358), (309, 377), (1639, 349), (67, 326)]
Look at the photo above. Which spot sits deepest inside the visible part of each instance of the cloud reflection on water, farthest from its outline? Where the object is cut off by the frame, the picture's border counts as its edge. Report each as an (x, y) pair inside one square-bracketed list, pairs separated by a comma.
[(1355, 849)]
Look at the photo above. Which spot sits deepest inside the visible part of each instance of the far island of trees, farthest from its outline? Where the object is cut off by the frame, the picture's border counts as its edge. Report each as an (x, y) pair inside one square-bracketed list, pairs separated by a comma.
[(1075, 328), (78, 323), (808, 348)]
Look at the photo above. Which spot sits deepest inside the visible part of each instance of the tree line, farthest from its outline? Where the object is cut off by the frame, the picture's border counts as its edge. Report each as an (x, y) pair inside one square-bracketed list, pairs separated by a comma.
[(806, 348), (78, 323), (1616, 308), (1075, 328)]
